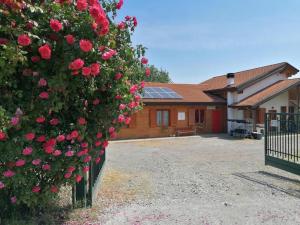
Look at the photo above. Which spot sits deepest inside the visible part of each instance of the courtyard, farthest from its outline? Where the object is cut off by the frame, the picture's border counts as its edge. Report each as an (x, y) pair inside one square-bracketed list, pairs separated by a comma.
[(194, 180)]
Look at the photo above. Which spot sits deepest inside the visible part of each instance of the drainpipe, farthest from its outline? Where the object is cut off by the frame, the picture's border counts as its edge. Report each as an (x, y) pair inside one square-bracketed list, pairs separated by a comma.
[(230, 100), (254, 119)]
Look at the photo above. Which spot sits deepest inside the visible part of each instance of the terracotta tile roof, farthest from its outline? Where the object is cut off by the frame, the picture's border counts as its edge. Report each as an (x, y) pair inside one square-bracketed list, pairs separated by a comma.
[(220, 82), (269, 92), (191, 93)]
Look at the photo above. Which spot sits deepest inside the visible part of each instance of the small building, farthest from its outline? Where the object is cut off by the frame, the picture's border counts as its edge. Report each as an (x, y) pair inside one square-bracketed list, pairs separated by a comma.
[(221, 104)]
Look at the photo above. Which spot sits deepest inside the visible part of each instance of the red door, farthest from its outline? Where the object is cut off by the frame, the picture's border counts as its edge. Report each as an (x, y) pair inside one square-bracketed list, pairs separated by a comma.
[(216, 121)]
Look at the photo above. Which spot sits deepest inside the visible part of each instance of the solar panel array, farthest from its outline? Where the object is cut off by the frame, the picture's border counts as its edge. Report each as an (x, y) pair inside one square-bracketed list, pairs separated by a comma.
[(160, 93)]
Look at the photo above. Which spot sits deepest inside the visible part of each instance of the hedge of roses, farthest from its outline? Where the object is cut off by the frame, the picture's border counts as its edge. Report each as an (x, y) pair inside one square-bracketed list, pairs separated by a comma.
[(68, 82)]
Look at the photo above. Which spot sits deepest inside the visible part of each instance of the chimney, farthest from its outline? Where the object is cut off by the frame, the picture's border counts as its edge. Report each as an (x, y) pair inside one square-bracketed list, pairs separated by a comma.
[(230, 79)]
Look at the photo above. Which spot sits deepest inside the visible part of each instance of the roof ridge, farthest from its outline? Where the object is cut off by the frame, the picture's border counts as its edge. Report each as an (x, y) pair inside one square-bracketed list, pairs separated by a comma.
[(259, 67)]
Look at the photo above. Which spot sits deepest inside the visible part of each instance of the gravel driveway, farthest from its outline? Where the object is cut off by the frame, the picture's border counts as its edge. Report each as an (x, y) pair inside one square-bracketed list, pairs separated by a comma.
[(194, 180)]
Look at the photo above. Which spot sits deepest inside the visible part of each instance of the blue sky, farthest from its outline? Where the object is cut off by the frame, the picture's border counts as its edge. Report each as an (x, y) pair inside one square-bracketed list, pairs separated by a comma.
[(197, 39)]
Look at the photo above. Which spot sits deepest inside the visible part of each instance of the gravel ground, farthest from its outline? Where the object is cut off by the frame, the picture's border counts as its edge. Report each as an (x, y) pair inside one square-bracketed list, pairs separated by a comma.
[(194, 181)]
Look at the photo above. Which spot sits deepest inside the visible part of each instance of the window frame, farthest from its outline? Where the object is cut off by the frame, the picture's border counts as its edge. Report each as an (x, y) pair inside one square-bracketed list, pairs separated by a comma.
[(200, 116), (162, 118)]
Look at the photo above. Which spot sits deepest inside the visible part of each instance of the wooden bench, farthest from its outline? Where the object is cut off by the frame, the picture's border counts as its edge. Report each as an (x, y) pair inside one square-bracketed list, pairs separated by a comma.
[(185, 131)]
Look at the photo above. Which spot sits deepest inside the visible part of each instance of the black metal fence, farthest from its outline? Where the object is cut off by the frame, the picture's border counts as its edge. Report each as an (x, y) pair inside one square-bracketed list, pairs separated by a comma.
[(85, 192), (282, 133)]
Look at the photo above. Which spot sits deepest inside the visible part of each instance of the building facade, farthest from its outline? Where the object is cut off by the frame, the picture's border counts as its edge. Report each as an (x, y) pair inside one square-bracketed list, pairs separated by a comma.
[(220, 104)]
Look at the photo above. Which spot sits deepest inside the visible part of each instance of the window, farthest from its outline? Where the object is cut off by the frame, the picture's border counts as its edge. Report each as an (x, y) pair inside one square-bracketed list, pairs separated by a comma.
[(199, 116), (162, 118), (181, 115)]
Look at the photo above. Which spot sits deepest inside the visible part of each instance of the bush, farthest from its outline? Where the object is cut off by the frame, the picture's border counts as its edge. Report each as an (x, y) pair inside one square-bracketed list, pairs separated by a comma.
[(68, 82)]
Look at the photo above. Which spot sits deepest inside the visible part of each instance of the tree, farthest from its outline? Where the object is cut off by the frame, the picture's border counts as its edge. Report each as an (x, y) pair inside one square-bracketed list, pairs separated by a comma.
[(68, 82), (158, 75)]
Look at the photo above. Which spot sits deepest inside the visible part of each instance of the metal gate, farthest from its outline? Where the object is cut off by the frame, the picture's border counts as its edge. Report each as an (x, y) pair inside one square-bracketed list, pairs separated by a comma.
[(85, 192), (282, 141)]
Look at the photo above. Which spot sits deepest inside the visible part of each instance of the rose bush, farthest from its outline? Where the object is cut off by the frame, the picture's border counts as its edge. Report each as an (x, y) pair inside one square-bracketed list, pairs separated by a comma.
[(68, 82)]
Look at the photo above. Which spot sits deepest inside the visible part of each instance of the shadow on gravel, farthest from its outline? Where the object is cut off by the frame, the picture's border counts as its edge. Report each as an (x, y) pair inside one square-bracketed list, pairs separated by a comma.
[(295, 192), (278, 177), (224, 136)]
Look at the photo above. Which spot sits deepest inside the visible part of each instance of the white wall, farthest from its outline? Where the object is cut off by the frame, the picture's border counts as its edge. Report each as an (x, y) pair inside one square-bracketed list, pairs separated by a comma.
[(260, 86), (277, 102)]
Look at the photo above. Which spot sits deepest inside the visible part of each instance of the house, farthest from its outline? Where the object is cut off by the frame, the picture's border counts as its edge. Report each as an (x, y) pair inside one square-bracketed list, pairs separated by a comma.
[(221, 104)]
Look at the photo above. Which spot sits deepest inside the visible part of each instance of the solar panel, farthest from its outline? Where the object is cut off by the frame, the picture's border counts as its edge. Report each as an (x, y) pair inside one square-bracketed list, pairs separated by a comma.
[(160, 93)]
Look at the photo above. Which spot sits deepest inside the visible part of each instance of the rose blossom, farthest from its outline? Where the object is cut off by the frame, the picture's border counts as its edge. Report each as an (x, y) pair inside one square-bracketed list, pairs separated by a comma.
[(121, 118), (35, 59), (122, 25), (8, 173), (36, 162), (44, 95), (81, 121), (99, 135), (67, 175), (144, 60), (70, 39), (78, 178), (54, 189), (40, 119), (127, 120), (29, 136), (74, 134), (69, 153), (15, 121), (36, 189), (95, 69), (85, 45), (148, 72), (56, 153), (24, 40), (109, 54), (76, 64), (97, 160), (45, 51), (81, 5), (122, 106), (20, 162), (2, 136), (46, 167), (54, 121), (86, 71), (85, 169), (42, 82), (13, 200), (41, 139), (118, 76), (119, 4), (55, 25), (60, 138), (96, 101), (2, 185), (27, 151)]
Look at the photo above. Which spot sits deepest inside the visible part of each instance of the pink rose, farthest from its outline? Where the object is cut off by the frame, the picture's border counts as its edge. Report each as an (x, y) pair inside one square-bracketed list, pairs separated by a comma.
[(29, 136), (68, 175), (109, 54), (78, 178), (2, 136), (97, 160), (55, 25), (99, 135), (54, 189), (121, 118), (69, 153), (118, 76), (42, 82), (60, 138), (8, 173), (96, 101), (70, 39), (36, 189), (122, 106), (95, 69), (46, 167), (76, 64), (20, 162), (15, 121), (56, 153), (81, 121), (81, 5), (2, 185), (54, 122), (148, 72), (44, 95), (85, 45), (36, 162), (41, 139), (45, 51), (144, 60), (40, 119), (86, 71), (13, 200), (119, 4), (27, 151), (87, 159), (24, 40)]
